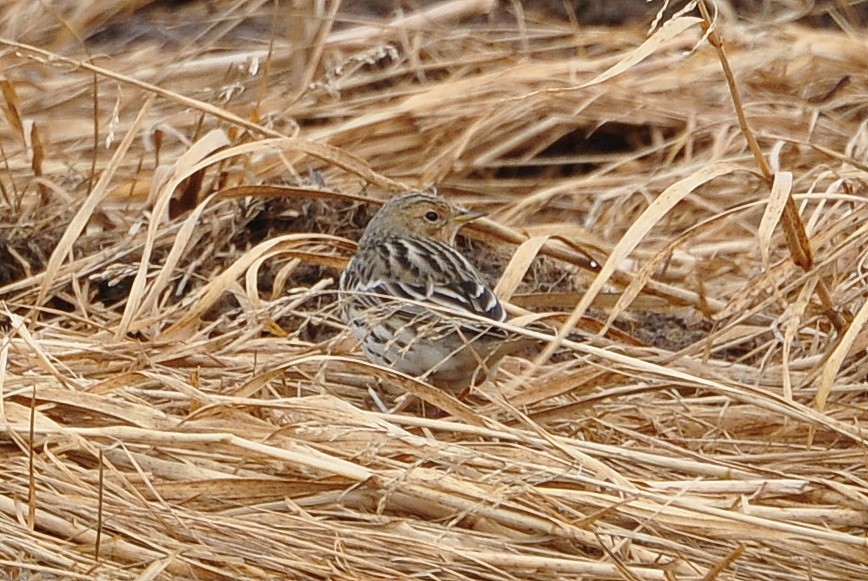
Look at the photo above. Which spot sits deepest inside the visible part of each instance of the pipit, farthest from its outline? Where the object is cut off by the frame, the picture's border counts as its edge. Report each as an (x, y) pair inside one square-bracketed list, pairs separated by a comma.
[(414, 302)]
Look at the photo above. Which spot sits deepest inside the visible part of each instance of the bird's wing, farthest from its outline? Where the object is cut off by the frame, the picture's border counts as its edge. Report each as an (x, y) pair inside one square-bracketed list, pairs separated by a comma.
[(422, 270)]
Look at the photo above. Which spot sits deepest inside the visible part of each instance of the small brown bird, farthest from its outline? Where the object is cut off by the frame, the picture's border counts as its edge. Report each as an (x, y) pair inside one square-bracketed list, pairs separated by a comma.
[(407, 291)]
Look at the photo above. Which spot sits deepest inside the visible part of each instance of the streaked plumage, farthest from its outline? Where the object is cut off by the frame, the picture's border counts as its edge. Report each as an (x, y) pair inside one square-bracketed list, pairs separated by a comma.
[(407, 291)]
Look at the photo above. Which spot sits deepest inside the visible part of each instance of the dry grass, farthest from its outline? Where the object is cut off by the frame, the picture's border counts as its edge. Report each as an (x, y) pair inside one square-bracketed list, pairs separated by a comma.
[(179, 400)]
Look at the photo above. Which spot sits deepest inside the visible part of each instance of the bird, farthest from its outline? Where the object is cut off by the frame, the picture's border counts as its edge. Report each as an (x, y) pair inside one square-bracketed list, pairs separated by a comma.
[(416, 304)]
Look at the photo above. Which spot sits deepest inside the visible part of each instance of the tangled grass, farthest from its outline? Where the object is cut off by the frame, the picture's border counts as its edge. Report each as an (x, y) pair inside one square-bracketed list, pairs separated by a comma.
[(181, 186)]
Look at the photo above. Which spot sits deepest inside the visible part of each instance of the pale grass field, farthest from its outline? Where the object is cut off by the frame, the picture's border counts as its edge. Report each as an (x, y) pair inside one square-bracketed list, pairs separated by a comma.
[(179, 193)]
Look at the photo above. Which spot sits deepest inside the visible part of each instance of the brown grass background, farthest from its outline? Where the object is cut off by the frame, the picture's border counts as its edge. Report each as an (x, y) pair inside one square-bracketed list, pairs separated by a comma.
[(181, 183)]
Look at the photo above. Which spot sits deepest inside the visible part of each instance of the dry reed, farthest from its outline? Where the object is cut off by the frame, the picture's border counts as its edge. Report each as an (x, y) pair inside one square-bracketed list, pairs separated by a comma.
[(180, 191)]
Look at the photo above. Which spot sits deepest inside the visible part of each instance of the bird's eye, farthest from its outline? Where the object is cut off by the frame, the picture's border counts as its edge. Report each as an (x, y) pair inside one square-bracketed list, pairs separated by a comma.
[(432, 216)]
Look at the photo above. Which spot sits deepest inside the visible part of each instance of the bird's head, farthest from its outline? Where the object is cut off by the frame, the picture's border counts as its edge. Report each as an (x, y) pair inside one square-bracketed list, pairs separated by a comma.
[(424, 214)]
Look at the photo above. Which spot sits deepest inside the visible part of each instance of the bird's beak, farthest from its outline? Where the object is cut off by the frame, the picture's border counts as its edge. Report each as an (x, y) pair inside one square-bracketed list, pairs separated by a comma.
[(467, 216)]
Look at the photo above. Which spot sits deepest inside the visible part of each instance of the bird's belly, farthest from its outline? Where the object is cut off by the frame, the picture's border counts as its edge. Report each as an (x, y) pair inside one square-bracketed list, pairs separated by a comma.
[(444, 360)]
